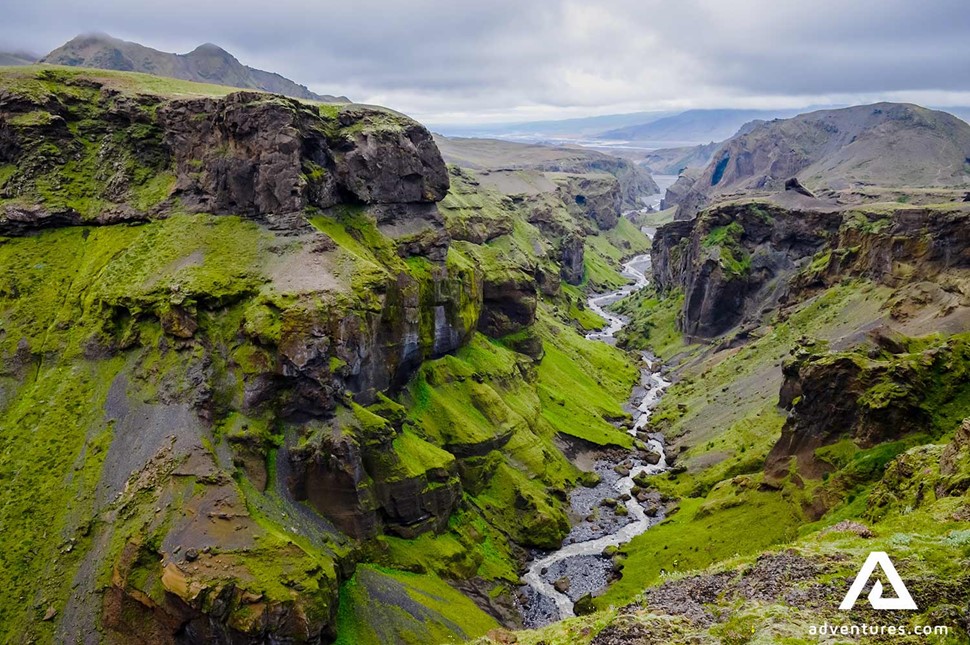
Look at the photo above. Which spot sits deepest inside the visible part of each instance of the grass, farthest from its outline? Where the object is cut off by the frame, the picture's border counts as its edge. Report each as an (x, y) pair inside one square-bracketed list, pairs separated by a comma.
[(581, 383), (42, 81), (653, 322), (702, 532), (381, 605)]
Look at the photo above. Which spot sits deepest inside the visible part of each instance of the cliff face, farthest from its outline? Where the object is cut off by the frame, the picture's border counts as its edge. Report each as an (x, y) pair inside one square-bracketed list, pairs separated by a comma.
[(249, 154), (734, 263), (251, 356)]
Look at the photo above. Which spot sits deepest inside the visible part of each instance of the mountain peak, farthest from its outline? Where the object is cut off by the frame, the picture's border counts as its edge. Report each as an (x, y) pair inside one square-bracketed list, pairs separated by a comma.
[(208, 63), (210, 49)]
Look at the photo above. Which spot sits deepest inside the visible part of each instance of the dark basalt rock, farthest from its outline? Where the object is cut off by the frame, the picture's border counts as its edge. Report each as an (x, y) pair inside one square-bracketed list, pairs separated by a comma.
[(509, 303), (732, 262), (262, 156), (571, 254), (794, 185), (274, 158), (868, 400)]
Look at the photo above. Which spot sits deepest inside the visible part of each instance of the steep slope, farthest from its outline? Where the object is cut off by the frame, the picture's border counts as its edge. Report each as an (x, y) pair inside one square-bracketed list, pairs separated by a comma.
[(837, 153), (494, 154), (256, 386), (207, 63)]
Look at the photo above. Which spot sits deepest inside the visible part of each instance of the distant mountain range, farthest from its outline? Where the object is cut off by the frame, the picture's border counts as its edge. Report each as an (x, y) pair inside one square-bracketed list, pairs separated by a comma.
[(582, 127), (8, 59), (698, 126), (207, 63)]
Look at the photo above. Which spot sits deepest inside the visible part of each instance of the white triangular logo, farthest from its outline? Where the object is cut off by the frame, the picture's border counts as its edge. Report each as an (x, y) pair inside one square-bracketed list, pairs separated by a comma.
[(902, 600)]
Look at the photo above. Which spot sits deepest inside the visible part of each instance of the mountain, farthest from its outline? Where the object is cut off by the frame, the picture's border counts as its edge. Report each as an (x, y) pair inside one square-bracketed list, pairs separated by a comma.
[(497, 155), (961, 112), (695, 126), (16, 58), (207, 63), (831, 152), (582, 127)]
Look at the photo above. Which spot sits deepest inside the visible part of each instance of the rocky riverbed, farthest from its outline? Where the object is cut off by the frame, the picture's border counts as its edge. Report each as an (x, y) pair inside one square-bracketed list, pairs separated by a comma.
[(617, 508)]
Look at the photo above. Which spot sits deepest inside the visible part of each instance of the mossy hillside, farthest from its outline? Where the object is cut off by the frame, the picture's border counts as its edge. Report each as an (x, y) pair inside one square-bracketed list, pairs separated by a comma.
[(67, 141), (470, 547), (704, 531), (582, 383), (54, 439), (723, 408), (718, 385), (45, 82), (385, 606), (652, 322), (478, 406), (71, 292), (576, 309)]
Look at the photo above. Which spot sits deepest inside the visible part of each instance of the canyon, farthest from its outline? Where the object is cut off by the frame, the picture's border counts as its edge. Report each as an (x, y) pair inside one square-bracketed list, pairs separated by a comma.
[(281, 370)]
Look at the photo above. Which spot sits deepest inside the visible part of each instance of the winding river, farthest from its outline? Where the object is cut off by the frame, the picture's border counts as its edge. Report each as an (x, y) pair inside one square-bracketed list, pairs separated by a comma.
[(556, 580)]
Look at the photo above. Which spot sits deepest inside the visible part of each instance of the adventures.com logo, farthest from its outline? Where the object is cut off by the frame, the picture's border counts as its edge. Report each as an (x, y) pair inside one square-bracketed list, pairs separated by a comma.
[(881, 559), (902, 600)]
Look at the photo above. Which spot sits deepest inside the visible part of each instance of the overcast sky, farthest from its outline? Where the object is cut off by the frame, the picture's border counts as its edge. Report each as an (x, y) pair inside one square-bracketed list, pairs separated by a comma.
[(514, 60)]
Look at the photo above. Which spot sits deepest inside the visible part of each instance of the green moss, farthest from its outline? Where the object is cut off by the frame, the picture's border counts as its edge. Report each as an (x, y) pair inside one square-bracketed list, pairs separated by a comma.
[(733, 258), (470, 547), (720, 235), (30, 119), (581, 384), (704, 531), (652, 321), (417, 456), (379, 606), (55, 439), (586, 318), (153, 191)]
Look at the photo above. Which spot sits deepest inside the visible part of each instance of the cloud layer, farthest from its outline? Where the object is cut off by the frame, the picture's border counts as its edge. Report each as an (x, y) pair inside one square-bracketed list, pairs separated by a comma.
[(504, 59)]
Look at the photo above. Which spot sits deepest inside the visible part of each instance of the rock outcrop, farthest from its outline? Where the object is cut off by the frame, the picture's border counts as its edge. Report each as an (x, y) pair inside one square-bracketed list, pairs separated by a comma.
[(733, 262), (595, 197), (266, 157), (867, 400)]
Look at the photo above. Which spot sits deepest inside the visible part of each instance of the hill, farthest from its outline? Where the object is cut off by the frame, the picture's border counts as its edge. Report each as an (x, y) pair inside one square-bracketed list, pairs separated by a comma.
[(207, 63), (838, 153)]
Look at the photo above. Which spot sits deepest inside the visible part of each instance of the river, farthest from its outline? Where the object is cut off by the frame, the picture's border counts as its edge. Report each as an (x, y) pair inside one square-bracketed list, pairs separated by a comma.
[(581, 560)]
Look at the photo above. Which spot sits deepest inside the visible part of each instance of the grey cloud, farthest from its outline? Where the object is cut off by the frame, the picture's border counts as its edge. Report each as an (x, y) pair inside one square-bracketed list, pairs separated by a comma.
[(436, 58)]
